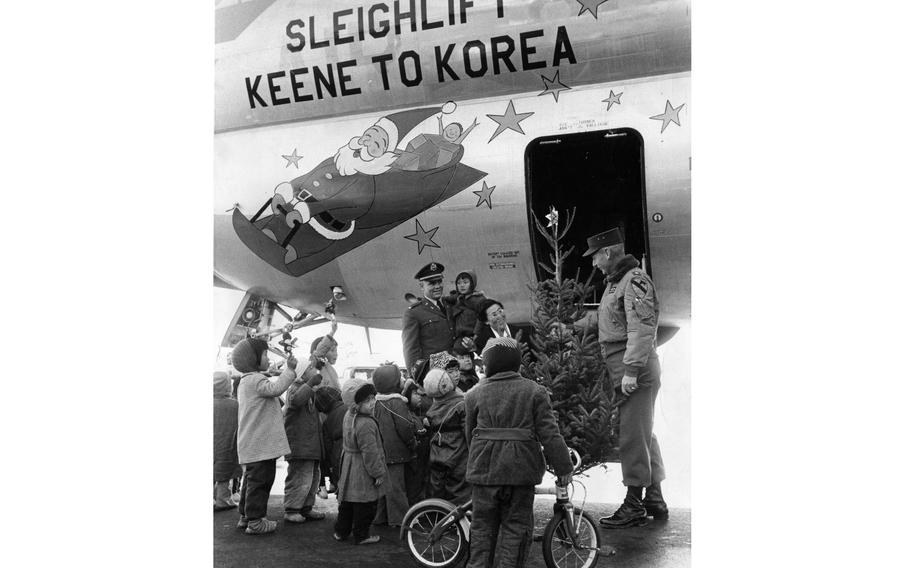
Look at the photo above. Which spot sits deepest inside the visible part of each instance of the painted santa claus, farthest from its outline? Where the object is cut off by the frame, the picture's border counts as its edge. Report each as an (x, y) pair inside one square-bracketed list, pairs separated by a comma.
[(376, 150)]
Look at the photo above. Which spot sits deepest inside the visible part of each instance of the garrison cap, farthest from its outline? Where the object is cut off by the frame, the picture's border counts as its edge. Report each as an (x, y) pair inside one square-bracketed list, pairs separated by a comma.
[(605, 239), (432, 270)]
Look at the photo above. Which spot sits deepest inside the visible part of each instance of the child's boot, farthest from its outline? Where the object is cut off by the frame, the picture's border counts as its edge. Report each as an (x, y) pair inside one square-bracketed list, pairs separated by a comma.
[(261, 526)]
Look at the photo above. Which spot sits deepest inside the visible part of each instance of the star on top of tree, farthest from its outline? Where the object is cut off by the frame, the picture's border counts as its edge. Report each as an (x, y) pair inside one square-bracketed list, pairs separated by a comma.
[(552, 217), (422, 237)]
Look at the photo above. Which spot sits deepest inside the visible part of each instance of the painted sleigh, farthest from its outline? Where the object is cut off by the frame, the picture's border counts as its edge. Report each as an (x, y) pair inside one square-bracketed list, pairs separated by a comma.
[(325, 214)]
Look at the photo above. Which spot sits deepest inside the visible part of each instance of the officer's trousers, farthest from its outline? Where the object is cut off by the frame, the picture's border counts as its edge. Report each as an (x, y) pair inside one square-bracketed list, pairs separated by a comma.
[(639, 452), (505, 512)]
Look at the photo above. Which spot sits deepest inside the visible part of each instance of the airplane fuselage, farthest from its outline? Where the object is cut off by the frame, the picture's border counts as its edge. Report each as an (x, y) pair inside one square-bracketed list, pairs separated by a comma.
[(534, 75)]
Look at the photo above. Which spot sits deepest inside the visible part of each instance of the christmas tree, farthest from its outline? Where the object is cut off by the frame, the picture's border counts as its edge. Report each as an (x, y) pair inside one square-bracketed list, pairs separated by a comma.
[(566, 360)]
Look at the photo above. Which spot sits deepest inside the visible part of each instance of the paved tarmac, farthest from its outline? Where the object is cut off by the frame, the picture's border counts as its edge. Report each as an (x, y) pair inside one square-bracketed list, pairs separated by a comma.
[(658, 544)]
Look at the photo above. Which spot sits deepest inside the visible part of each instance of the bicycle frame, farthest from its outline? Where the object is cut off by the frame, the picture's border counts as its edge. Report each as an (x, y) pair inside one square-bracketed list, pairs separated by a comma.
[(564, 508), (454, 516)]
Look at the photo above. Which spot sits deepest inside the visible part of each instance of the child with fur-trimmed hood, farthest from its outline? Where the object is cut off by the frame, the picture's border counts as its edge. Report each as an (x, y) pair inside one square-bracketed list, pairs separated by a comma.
[(448, 444), (261, 437), (363, 470), (398, 441), (463, 305)]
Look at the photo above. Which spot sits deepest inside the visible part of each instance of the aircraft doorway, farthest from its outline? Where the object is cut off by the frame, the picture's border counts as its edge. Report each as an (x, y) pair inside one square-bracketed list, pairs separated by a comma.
[(599, 173)]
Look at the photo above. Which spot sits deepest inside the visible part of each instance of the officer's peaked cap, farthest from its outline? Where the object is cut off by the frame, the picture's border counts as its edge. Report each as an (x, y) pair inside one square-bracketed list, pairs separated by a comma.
[(605, 239), (432, 270)]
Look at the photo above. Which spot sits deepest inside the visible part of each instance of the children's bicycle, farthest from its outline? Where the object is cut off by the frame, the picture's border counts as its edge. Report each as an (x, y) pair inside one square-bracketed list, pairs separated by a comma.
[(438, 532)]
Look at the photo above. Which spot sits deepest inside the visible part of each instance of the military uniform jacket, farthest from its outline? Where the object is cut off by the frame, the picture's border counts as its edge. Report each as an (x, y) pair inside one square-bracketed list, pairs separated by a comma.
[(628, 313), (425, 330)]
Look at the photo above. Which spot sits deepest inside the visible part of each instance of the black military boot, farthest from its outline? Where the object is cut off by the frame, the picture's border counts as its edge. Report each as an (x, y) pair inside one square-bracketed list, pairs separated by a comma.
[(654, 503), (631, 513)]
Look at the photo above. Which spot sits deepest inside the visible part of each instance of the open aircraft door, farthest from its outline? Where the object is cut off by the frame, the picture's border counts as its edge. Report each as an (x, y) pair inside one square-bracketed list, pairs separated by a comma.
[(601, 175)]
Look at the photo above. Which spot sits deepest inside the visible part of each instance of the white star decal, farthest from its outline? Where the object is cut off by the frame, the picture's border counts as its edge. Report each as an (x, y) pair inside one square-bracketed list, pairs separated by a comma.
[(508, 121), (422, 237), (612, 99), (292, 158), (669, 115), (550, 89), (484, 195), (590, 6)]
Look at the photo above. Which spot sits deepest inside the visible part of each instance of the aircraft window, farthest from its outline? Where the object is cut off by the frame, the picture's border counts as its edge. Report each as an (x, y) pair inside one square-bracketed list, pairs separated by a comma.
[(601, 174)]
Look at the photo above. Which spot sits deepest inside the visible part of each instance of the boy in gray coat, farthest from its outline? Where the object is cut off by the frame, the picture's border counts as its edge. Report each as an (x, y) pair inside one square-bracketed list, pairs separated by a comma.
[(507, 420)]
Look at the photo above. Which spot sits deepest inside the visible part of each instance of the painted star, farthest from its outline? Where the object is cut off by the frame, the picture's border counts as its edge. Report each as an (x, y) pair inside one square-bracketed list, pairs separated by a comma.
[(484, 195), (422, 237), (587, 5), (549, 88), (612, 99), (669, 115), (292, 159), (509, 121)]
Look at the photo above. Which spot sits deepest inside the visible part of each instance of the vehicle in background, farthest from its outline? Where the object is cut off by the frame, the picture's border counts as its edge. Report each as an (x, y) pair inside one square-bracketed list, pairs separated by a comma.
[(364, 372)]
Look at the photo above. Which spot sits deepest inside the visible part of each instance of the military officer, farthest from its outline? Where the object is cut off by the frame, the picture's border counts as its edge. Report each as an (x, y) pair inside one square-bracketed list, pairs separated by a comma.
[(425, 326), (627, 329)]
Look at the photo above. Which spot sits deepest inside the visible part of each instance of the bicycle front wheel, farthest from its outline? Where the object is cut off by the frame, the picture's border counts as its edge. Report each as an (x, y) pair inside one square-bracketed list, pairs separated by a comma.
[(444, 552), (558, 550)]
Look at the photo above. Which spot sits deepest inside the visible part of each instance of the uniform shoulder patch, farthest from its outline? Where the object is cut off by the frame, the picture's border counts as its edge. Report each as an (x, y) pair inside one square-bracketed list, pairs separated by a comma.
[(640, 286)]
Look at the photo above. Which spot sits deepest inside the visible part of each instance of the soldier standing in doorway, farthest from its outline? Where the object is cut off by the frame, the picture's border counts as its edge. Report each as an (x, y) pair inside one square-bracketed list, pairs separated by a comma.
[(627, 328)]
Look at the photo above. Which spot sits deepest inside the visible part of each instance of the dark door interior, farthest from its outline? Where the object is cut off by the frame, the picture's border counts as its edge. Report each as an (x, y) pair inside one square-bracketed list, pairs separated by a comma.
[(599, 173)]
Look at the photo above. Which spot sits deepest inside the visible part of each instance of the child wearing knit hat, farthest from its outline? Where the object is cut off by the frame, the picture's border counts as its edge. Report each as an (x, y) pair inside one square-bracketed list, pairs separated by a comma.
[(260, 431), (226, 465), (363, 468), (304, 433), (448, 444), (398, 431), (509, 418), (464, 304)]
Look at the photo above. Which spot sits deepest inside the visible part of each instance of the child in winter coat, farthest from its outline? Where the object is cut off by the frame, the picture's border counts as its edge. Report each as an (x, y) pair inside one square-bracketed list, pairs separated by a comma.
[(448, 445), (396, 424), (323, 355), (363, 468), (460, 369), (417, 471), (226, 466), (463, 306), (304, 432), (328, 402), (508, 419), (260, 432)]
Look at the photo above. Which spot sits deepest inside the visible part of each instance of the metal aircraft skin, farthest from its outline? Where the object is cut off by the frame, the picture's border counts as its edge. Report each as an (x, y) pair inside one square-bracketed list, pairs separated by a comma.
[(629, 71)]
